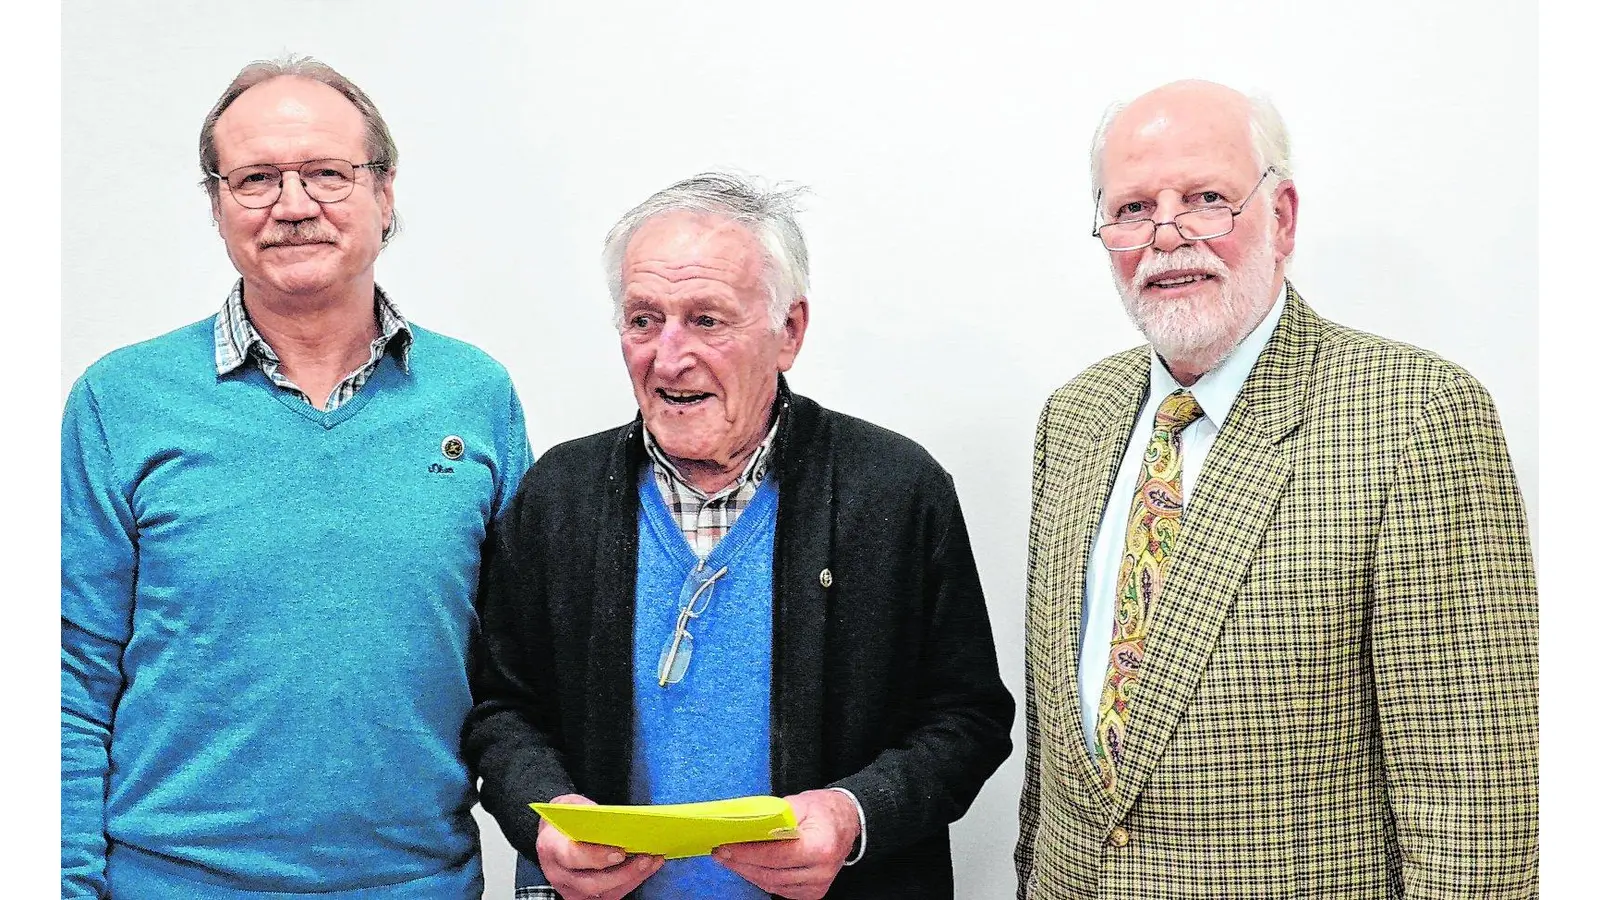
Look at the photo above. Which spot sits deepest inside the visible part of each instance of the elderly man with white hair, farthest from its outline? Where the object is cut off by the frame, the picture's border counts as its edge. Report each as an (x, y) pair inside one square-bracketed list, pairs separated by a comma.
[(1282, 618), (737, 593)]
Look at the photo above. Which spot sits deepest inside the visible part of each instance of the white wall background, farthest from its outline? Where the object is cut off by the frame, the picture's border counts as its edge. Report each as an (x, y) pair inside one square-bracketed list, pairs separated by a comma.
[(954, 280)]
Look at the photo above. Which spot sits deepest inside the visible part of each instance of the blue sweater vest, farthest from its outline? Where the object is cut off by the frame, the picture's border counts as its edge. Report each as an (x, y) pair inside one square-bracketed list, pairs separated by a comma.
[(707, 736)]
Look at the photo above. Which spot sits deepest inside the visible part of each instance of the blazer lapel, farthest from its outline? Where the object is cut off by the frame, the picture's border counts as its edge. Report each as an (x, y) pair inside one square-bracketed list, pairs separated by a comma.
[(1235, 499), (1072, 517)]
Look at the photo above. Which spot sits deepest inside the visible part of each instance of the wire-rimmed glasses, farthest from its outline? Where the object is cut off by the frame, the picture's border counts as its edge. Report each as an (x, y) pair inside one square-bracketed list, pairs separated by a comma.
[(692, 601), (324, 180), (1203, 224)]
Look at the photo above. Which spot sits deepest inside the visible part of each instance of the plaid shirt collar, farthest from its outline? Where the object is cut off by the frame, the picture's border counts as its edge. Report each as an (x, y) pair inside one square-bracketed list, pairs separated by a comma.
[(704, 520), (235, 338), (754, 471)]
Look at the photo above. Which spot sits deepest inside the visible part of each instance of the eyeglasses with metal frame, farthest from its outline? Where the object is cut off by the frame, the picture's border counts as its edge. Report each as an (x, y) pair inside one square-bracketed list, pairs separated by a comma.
[(1203, 224), (675, 656), (324, 180)]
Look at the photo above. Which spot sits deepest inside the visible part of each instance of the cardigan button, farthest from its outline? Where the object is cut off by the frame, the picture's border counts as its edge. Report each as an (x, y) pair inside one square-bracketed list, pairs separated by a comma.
[(826, 578)]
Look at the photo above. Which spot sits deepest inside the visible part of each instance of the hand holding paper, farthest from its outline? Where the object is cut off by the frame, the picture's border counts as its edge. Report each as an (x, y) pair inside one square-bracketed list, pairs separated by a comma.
[(583, 869), (801, 869)]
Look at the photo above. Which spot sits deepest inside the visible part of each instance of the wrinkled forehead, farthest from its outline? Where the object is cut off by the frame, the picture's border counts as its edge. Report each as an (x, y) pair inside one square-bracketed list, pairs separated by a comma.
[(690, 241), (289, 109)]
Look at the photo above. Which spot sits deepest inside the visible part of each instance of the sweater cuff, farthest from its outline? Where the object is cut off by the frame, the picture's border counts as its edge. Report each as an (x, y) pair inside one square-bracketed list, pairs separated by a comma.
[(861, 816)]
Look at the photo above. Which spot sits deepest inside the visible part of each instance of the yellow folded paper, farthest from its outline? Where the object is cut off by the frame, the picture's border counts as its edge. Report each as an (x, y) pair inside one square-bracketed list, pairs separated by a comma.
[(676, 830)]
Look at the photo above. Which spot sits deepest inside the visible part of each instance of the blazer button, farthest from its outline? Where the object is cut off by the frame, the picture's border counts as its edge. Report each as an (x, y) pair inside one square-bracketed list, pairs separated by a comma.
[(826, 578), (1119, 837)]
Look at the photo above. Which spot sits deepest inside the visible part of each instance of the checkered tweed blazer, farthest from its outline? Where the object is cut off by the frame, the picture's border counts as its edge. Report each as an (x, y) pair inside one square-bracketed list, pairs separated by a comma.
[(1340, 689)]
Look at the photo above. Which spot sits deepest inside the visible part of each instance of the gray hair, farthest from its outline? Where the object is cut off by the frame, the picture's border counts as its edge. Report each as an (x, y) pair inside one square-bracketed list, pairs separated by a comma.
[(380, 143), (766, 212), (1269, 139)]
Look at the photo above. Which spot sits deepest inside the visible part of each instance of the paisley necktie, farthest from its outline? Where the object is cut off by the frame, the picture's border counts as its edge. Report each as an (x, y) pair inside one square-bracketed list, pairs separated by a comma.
[(1152, 534)]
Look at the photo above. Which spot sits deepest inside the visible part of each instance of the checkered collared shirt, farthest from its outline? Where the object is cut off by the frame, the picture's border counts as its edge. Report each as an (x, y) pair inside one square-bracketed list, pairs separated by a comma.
[(705, 519), (237, 341)]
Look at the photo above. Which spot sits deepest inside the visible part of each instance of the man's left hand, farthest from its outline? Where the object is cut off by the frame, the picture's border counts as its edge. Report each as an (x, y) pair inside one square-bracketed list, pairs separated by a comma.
[(804, 868)]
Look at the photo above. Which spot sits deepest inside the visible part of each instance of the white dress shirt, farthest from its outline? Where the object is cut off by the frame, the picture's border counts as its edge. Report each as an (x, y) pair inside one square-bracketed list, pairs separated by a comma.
[(1215, 391)]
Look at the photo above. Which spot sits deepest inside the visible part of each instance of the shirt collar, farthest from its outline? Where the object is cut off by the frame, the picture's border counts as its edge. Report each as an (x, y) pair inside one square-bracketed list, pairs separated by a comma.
[(235, 337), (1217, 389), (755, 470)]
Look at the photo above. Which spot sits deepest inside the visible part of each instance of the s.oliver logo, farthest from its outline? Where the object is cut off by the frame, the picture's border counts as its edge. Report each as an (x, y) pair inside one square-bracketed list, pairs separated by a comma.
[(453, 449)]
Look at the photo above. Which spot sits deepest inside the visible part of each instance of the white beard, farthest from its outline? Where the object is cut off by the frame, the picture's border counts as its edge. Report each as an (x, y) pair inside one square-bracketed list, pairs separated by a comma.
[(1197, 333)]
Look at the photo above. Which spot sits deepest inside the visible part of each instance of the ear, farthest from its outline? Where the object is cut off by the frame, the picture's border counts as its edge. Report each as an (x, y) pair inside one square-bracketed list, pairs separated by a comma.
[(1286, 204), (794, 332), (386, 197)]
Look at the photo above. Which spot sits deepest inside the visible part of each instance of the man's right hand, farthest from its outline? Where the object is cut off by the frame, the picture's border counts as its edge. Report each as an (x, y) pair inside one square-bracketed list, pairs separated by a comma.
[(580, 871)]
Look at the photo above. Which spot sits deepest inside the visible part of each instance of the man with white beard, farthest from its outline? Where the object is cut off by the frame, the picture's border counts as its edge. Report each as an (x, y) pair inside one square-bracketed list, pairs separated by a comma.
[(1282, 618)]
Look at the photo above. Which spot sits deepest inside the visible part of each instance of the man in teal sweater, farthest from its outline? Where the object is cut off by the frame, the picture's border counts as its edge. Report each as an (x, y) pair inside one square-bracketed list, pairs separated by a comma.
[(271, 524)]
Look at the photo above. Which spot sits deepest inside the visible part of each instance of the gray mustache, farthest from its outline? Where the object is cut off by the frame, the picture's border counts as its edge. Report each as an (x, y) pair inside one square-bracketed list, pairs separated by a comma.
[(295, 235), (1157, 264)]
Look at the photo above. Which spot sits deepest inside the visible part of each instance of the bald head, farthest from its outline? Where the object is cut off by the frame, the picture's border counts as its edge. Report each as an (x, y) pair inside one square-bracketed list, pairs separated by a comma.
[(1190, 95), (1223, 111)]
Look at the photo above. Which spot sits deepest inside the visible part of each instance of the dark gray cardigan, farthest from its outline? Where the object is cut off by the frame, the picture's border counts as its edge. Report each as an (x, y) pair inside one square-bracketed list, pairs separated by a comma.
[(884, 679)]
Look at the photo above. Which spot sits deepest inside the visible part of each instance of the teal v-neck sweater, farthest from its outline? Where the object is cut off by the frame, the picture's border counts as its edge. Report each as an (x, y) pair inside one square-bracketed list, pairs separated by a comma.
[(265, 616)]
